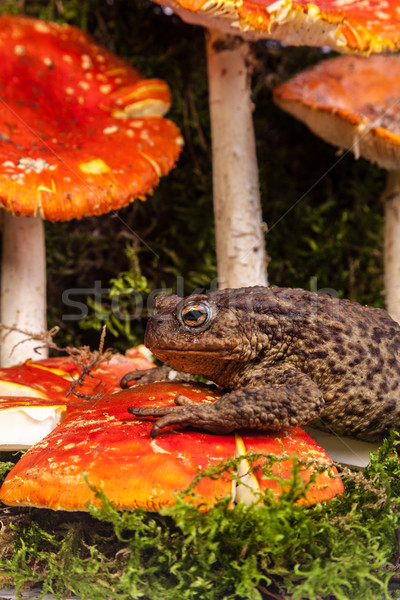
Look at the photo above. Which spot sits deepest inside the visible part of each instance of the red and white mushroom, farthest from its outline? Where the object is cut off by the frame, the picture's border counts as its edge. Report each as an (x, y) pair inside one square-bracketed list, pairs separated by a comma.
[(359, 26), (100, 443), (353, 103), (36, 396), (81, 133)]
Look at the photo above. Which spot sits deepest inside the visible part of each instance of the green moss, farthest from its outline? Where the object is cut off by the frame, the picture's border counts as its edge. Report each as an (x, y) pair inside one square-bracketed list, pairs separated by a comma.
[(346, 548), (5, 466)]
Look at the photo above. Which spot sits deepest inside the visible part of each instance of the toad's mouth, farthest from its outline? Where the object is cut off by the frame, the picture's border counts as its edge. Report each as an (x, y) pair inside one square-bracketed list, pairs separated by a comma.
[(191, 346), (183, 352), (208, 363)]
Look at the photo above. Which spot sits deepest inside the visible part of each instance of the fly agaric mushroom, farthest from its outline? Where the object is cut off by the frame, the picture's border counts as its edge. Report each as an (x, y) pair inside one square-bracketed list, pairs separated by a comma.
[(361, 26), (353, 103), (36, 396), (81, 133), (106, 445)]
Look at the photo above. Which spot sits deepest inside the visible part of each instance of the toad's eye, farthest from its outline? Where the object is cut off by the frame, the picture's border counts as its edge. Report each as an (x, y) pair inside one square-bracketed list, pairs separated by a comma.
[(195, 315)]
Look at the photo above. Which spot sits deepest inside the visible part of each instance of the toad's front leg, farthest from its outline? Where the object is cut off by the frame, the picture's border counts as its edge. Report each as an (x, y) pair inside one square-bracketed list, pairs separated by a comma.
[(293, 399), (163, 373)]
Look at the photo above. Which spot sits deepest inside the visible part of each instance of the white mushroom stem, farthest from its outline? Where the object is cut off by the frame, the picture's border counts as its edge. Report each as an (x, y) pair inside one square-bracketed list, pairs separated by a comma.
[(23, 288), (391, 198), (239, 228)]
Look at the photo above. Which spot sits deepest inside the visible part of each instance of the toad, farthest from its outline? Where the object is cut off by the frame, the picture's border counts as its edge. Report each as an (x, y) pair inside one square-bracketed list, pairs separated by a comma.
[(284, 357)]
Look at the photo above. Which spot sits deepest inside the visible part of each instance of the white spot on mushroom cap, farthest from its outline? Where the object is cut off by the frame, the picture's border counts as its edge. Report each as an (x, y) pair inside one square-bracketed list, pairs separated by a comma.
[(157, 449), (111, 129), (84, 85), (47, 61), (69, 446), (382, 15), (19, 50), (94, 167), (86, 62), (18, 178), (70, 91), (42, 27), (67, 58), (105, 89), (144, 135), (37, 165), (275, 6)]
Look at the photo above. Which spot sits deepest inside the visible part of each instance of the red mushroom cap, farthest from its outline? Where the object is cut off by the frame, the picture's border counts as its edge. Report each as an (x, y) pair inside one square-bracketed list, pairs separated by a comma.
[(27, 379), (351, 102), (360, 25), (81, 132), (35, 396), (103, 442), (52, 377)]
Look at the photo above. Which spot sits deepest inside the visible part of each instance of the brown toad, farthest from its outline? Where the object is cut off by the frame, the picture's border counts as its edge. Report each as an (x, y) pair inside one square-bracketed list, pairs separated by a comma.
[(284, 356)]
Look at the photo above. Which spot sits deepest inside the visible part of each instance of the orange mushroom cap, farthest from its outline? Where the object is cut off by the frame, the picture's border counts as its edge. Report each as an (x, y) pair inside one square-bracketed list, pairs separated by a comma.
[(81, 132), (31, 379), (114, 451), (52, 377), (350, 102), (359, 25), (35, 396)]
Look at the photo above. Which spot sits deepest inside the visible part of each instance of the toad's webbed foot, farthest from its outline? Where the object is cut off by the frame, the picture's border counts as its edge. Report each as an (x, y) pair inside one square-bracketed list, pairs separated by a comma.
[(163, 373), (293, 402), (185, 412)]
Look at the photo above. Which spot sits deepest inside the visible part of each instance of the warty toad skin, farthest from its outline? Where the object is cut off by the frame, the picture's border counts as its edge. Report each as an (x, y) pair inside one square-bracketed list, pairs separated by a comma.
[(284, 357)]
